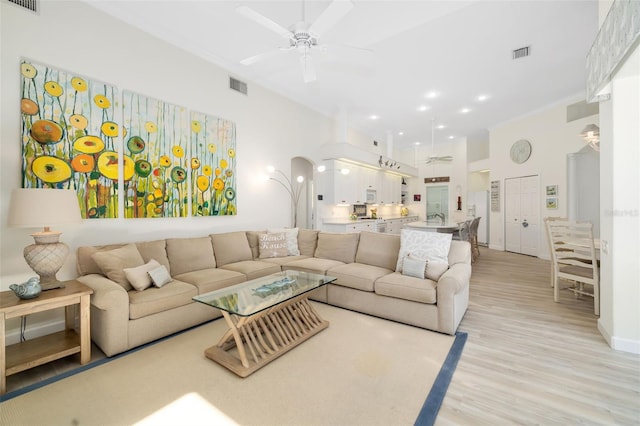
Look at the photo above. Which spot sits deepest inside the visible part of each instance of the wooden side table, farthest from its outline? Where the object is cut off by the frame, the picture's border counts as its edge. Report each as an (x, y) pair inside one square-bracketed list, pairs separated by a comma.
[(31, 353)]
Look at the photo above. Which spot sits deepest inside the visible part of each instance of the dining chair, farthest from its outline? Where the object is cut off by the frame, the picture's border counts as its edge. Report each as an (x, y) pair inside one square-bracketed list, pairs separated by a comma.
[(473, 238), (546, 227), (574, 259)]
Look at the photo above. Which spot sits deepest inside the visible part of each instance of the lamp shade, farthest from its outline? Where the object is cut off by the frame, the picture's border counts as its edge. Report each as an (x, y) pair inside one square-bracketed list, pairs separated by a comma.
[(32, 208)]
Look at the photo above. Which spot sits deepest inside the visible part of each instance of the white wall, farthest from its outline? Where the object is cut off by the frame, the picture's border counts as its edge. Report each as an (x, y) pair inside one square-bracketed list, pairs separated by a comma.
[(270, 128), (552, 138)]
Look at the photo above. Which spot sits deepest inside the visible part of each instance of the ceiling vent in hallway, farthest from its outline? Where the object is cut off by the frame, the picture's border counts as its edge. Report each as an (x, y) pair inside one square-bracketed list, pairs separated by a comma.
[(31, 5), (522, 52), (238, 86)]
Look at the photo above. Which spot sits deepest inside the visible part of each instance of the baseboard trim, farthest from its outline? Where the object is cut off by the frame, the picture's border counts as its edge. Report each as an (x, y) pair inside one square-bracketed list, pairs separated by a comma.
[(619, 344), (34, 330)]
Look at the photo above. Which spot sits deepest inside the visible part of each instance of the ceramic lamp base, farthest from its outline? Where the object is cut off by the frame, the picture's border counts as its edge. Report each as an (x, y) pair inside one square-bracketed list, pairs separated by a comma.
[(46, 260)]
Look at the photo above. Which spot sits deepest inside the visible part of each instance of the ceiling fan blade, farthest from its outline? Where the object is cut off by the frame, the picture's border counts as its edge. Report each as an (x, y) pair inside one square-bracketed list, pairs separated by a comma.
[(331, 15), (308, 70), (257, 58), (334, 46), (264, 21)]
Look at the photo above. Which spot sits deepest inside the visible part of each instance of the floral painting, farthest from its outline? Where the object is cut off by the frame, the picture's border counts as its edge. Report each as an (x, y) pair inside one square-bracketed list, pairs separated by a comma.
[(69, 137), (156, 158), (213, 166)]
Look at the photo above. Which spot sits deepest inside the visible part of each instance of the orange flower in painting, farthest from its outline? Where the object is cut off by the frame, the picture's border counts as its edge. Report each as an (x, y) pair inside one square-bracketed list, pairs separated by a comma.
[(83, 163), (53, 88), (79, 84), (203, 183), (218, 184), (110, 129), (102, 101), (28, 107), (218, 171), (78, 121), (178, 151), (46, 131), (165, 161)]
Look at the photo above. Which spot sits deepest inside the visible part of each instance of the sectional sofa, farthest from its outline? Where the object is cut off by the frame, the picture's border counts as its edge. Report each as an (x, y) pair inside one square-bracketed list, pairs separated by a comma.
[(366, 266)]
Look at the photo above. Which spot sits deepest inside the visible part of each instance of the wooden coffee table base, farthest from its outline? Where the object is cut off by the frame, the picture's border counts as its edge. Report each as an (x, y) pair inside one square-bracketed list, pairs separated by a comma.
[(254, 341)]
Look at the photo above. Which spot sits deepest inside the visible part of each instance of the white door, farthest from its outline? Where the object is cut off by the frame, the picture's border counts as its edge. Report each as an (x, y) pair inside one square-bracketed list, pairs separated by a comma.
[(522, 215)]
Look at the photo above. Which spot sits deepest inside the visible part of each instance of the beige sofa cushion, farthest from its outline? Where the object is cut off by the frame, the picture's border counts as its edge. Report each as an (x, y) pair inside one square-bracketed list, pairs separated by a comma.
[(378, 249), (154, 300), (314, 265), (207, 280), (113, 262), (284, 260), (340, 247), (253, 268), (156, 250), (307, 241), (85, 264), (407, 288), (254, 240), (357, 275), (231, 247), (190, 254), (139, 276)]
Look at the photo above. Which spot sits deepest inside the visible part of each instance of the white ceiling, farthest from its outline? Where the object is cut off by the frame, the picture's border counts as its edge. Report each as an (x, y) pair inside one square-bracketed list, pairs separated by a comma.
[(461, 49)]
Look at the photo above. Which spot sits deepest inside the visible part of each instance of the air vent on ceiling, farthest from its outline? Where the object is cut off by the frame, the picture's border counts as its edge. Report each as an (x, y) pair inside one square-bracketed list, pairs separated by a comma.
[(237, 85), (31, 5), (522, 52)]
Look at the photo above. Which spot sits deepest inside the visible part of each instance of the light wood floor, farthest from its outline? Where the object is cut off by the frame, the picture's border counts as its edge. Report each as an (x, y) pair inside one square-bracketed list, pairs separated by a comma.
[(527, 359)]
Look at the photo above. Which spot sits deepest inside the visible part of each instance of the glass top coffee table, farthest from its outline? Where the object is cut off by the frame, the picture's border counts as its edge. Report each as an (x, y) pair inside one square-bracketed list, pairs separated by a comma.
[(267, 317)]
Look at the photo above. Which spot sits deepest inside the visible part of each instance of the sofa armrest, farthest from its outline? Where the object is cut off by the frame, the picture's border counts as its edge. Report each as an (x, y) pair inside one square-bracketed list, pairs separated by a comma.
[(453, 296), (109, 314)]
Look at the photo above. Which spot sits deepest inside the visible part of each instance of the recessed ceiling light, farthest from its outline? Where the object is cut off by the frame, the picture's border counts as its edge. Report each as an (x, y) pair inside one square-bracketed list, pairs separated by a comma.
[(373, 117), (431, 95), (465, 110), (451, 137), (422, 108), (400, 133), (416, 143), (482, 98), (440, 126)]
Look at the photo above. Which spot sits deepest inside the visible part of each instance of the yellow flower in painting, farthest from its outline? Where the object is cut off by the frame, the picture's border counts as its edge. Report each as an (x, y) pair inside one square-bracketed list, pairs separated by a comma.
[(195, 163), (78, 121), (102, 101), (53, 88), (157, 193), (218, 184), (79, 84), (109, 128), (28, 70), (178, 151), (51, 169), (218, 171), (223, 163), (231, 152), (196, 126), (212, 148), (88, 144), (165, 161), (108, 166), (150, 197), (206, 170), (151, 210), (203, 183), (151, 127), (229, 172)]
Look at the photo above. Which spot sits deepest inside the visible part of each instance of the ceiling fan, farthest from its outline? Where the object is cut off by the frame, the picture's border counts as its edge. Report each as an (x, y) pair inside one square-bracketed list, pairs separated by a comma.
[(434, 158), (301, 36)]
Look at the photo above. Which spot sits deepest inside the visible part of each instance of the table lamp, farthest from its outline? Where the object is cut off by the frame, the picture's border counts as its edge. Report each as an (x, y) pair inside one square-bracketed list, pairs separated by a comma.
[(31, 208)]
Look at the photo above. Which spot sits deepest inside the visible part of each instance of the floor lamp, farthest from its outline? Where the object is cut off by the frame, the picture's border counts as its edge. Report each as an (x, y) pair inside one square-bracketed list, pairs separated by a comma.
[(34, 208)]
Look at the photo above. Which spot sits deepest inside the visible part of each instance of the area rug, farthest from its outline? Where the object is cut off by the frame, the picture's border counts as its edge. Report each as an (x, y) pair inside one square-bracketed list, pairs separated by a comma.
[(362, 370)]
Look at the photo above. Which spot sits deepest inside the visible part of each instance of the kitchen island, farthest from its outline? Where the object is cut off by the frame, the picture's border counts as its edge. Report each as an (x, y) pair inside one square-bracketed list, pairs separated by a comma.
[(422, 225)]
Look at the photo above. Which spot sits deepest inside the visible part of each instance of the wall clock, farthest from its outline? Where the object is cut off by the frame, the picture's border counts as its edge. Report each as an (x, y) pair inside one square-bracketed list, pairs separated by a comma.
[(520, 151)]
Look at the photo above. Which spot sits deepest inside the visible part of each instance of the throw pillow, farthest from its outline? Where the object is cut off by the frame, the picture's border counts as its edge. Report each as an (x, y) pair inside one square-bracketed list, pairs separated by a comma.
[(139, 277), (273, 245), (436, 269), (414, 267), (113, 262), (292, 239), (159, 276), (432, 246)]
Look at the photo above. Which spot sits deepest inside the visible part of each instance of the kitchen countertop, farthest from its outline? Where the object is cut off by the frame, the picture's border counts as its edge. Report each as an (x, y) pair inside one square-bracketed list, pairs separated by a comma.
[(349, 221)]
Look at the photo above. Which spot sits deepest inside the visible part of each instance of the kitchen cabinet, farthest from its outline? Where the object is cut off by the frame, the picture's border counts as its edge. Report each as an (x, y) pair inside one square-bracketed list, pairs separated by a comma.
[(395, 225), (390, 189), (351, 227)]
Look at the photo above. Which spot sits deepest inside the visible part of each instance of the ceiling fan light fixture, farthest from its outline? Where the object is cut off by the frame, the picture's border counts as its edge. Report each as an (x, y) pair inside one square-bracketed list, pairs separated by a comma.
[(308, 71)]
